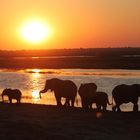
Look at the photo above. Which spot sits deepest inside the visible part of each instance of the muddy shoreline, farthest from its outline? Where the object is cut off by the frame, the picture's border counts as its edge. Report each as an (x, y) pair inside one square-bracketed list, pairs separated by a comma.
[(32, 121)]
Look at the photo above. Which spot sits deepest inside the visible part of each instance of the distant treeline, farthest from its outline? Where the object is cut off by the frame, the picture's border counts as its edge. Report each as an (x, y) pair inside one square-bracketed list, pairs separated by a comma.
[(98, 52), (105, 58)]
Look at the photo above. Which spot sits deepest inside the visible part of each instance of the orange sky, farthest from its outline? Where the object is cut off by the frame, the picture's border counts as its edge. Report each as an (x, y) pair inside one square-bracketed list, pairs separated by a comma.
[(74, 23)]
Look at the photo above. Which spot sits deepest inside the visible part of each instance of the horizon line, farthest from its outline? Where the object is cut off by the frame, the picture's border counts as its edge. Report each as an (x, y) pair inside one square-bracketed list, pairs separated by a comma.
[(128, 47)]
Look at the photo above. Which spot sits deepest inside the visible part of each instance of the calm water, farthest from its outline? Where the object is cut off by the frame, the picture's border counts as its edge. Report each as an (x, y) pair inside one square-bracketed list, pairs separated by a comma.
[(31, 81)]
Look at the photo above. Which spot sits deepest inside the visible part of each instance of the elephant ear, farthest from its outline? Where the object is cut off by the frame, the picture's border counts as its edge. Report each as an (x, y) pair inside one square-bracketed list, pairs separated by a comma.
[(49, 84)]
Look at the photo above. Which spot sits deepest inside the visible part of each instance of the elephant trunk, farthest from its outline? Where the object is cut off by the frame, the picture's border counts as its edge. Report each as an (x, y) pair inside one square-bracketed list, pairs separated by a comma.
[(40, 94), (42, 91)]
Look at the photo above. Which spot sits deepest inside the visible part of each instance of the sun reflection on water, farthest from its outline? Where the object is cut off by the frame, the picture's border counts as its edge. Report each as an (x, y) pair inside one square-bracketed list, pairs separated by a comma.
[(31, 81), (35, 76), (36, 70), (35, 94)]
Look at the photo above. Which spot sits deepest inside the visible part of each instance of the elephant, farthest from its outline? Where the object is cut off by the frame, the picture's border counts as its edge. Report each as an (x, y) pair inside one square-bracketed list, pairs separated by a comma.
[(61, 88), (101, 100), (86, 91), (124, 94), (12, 94), (89, 95)]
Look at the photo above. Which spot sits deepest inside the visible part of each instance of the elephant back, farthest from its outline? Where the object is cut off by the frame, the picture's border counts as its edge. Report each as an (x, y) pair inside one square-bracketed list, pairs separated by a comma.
[(125, 93), (12, 92), (69, 87), (65, 88), (16, 92), (87, 89), (100, 97)]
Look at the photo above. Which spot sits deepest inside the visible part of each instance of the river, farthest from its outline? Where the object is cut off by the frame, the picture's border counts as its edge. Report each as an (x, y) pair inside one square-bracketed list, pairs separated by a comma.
[(31, 81)]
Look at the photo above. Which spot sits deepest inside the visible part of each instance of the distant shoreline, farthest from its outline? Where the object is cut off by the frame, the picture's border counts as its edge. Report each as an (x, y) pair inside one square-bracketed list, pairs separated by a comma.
[(105, 58), (71, 63)]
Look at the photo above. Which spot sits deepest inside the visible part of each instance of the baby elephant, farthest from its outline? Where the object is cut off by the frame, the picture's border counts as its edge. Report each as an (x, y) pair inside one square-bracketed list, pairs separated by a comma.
[(101, 100), (12, 94)]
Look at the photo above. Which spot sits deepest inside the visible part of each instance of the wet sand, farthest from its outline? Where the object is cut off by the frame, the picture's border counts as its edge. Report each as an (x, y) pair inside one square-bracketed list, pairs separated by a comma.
[(43, 122)]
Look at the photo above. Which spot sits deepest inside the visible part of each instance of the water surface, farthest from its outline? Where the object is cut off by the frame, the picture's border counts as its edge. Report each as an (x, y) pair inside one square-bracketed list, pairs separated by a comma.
[(31, 81)]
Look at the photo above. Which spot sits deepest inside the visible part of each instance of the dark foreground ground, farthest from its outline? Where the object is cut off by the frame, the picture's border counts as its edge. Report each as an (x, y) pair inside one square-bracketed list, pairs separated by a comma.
[(41, 122)]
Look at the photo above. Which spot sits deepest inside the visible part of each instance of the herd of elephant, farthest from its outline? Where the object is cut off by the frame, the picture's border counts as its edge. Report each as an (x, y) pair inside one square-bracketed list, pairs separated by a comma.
[(88, 93)]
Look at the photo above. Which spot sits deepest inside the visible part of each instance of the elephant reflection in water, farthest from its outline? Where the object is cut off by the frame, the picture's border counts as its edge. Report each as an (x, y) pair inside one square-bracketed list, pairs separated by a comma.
[(125, 94), (89, 95), (61, 88), (12, 94)]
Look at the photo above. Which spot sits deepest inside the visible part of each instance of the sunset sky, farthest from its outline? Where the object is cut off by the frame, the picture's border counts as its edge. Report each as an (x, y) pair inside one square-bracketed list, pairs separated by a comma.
[(69, 24)]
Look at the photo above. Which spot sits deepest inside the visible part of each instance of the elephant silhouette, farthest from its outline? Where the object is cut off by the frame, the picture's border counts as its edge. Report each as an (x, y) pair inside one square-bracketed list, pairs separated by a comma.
[(12, 94), (101, 100), (124, 94), (86, 91), (89, 95), (61, 88)]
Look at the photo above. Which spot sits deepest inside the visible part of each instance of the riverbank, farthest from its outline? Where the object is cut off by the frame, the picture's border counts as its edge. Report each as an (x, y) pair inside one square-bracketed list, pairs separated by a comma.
[(90, 58), (90, 62), (42, 122)]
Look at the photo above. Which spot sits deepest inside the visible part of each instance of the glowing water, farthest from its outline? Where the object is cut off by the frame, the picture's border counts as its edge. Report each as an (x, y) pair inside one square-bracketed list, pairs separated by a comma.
[(31, 81)]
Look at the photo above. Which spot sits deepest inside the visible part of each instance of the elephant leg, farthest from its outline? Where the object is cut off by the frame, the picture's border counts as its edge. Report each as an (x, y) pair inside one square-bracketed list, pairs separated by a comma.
[(135, 107), (18, 101), (90, 106), (58, 100), (67, 102), (10, 100), (114, 108), (72, 102), (104, 107), (118, 108), (98, 107), (85, 105)]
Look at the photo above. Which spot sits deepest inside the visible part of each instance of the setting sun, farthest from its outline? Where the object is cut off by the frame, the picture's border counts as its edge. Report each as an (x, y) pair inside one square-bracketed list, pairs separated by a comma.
[(35, 31)]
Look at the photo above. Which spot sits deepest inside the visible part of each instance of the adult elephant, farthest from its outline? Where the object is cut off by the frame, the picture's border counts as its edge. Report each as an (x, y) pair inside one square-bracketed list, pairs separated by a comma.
[(125, 94), (61, 88), (12, 94), (86, 91)]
